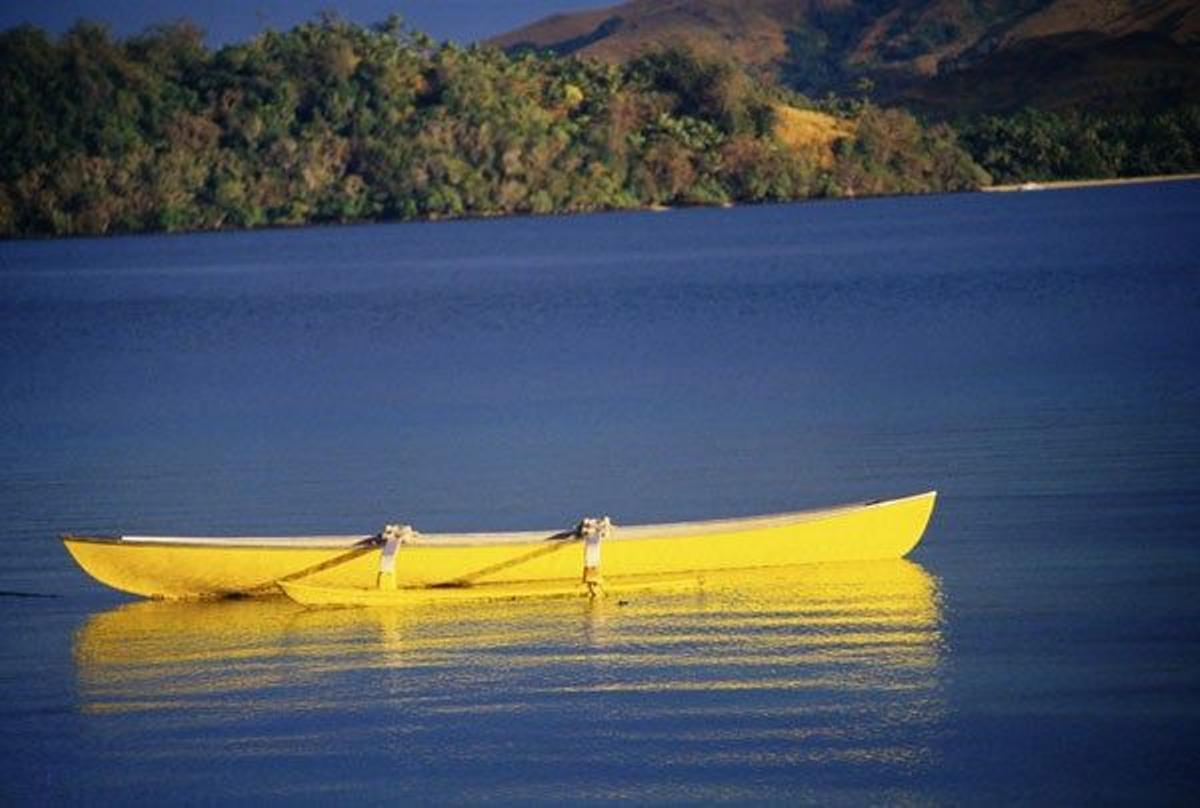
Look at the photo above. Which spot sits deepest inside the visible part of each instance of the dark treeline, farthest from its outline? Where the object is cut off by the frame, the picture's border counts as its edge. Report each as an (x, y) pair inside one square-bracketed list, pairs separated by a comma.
[(1078, 144), (333, 122)]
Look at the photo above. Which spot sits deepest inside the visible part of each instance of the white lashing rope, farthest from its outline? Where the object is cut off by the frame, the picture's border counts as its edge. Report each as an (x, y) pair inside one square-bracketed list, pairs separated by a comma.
[(393, 536), (593, 532)]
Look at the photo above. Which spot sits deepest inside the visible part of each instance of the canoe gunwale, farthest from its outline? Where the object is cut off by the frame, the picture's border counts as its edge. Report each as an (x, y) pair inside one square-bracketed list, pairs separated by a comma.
[(232, 542), (663, 530)]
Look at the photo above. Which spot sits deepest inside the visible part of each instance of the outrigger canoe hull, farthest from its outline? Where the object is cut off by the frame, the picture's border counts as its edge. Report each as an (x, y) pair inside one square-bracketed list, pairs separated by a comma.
[(180, 568)]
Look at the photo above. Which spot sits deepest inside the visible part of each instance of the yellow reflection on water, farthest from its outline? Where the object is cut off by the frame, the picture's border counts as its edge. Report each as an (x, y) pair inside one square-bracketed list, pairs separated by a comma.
[(883, 613), (834, 662)]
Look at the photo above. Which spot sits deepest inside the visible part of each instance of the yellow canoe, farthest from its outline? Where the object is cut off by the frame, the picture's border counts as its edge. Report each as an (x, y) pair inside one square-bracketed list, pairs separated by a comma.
[(398, 565)]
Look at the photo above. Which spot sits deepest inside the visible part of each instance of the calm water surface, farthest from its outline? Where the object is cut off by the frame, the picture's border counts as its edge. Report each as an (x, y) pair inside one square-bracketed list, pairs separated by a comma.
[(1034, 357)]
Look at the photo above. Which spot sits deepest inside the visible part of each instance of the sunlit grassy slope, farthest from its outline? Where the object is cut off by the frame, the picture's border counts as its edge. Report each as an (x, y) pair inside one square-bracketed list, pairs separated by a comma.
[(811, 131)]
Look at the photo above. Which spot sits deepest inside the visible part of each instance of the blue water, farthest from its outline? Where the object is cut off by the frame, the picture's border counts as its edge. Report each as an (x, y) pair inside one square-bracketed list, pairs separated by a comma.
[(1034, 357)]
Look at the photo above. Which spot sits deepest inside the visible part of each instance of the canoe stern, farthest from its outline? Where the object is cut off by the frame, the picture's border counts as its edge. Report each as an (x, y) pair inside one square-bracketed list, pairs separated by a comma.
[(177, 571)]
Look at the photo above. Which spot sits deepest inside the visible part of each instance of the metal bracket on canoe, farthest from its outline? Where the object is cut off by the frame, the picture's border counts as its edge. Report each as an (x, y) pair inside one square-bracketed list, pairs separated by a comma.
[(392, 537), (593, 531)]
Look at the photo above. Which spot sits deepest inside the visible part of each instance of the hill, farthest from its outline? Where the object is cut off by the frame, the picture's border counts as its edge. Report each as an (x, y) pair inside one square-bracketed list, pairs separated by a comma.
[(752, 32), (945, 57)]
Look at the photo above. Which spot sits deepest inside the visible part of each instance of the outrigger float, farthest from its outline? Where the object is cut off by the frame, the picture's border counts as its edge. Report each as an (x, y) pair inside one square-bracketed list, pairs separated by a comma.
[(399, 565)]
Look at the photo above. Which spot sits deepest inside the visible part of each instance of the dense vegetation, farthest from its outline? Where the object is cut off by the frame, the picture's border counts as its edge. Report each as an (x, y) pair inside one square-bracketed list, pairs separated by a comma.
[(333, 122), (1038, 145)]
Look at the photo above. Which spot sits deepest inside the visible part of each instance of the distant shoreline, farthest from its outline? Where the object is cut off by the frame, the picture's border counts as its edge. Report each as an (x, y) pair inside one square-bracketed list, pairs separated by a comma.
[(1048, 185), (1054, 185)]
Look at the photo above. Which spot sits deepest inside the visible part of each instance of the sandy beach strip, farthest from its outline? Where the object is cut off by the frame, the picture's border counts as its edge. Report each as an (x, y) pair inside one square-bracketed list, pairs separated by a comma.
[(1059, 184)]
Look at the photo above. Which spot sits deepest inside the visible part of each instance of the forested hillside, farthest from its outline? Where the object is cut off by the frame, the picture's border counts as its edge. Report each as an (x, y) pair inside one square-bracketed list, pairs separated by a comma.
[(1037, 89), (333, 122)]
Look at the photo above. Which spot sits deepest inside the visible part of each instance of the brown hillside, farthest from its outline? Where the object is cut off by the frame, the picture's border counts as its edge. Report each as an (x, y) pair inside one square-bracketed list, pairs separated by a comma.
[(942, 55), (753, 32), (1177, 20), (1085, 70)]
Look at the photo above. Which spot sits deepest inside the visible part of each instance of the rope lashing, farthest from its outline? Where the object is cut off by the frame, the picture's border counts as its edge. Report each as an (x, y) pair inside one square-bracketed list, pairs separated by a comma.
[(593, 531), (392, 537)]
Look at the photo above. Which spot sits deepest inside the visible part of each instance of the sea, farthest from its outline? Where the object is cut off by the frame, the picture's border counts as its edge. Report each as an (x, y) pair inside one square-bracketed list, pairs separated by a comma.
[(1033, 357)]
